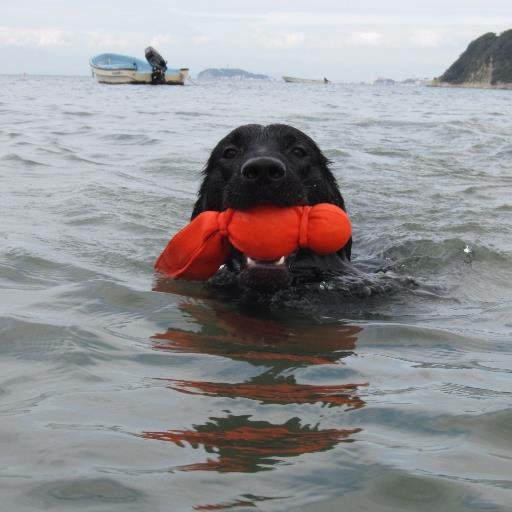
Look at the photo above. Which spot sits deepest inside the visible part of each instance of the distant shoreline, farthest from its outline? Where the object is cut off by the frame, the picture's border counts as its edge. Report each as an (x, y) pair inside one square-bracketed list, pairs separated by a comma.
[(470, 85)]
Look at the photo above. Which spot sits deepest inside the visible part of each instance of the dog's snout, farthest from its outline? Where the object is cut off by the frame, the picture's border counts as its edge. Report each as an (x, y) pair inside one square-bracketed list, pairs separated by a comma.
[(263, 169)]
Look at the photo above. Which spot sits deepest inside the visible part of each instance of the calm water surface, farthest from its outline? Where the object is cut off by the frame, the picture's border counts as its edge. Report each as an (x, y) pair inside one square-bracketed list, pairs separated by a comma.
[(122, 393)]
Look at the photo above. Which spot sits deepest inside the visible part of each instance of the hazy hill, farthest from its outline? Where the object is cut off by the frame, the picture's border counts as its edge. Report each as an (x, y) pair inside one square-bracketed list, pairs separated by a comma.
[(486, 62), (233, 73)]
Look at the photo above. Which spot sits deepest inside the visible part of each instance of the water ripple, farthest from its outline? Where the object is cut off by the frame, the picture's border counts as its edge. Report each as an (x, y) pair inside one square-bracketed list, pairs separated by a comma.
[(391, 387)]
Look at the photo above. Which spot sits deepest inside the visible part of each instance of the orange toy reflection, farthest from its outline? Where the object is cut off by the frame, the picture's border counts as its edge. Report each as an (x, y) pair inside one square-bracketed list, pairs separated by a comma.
[(229, 333), (240, 443), (276, 393), (244, 445), (246, 500)]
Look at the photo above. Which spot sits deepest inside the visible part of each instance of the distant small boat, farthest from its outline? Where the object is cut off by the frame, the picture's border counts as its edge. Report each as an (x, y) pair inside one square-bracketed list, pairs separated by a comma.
[(294, 80), (112, 68)]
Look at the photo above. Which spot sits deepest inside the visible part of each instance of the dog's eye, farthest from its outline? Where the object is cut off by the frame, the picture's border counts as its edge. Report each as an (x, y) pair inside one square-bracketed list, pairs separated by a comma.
[(230, 153), (299, 152)]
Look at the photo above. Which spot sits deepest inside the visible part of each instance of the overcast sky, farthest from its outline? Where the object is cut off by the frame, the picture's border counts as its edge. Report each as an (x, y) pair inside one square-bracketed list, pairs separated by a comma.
[(342, 40)]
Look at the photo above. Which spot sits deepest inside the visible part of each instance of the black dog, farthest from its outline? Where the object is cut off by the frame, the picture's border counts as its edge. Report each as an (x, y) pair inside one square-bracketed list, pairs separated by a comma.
[(275, 164)]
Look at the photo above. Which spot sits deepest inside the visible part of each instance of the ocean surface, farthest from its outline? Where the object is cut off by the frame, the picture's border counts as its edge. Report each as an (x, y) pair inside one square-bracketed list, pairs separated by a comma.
[(123, 392)]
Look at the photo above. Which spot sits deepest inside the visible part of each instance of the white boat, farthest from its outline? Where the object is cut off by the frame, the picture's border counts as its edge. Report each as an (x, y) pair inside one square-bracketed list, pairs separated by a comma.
[(112, 68), (295, 80)]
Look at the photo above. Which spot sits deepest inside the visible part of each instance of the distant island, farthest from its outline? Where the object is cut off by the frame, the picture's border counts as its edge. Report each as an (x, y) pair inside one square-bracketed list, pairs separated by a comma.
[(407, 81), (486, 63), (231, 73)]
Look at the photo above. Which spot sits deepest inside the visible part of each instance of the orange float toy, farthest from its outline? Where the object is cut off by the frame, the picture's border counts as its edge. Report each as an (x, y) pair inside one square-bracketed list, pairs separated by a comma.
[(262, 233)]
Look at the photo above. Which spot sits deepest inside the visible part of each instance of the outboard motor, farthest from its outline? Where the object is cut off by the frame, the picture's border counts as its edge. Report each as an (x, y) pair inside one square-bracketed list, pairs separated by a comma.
[(158, 64)]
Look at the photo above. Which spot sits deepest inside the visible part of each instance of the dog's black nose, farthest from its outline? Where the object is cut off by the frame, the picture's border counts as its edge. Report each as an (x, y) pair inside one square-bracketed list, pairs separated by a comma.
[(263, 168)]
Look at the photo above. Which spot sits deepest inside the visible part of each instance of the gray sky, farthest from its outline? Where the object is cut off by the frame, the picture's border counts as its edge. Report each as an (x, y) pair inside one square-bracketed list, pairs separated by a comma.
[(343, 40)]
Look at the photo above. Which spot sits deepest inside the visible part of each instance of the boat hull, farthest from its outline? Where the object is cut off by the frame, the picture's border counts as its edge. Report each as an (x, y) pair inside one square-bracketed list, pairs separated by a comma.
[(295, 80), (133, 76)]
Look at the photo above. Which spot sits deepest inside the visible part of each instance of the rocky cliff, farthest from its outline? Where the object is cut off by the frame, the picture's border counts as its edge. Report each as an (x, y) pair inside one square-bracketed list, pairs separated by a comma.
[(487, 62)]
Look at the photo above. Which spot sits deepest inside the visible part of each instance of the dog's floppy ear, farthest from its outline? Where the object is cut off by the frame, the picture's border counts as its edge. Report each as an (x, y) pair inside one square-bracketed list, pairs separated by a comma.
[(327, 191), (210, 194), (323, 188), (321, 183)]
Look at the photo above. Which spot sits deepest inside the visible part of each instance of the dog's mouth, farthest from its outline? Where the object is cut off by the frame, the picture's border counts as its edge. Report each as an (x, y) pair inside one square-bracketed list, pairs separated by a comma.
[(269, 276), (302, 265), (265, 275), (253, 264)]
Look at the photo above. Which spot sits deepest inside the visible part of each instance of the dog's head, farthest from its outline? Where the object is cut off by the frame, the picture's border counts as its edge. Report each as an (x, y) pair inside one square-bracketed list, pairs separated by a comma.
[(275, 164)]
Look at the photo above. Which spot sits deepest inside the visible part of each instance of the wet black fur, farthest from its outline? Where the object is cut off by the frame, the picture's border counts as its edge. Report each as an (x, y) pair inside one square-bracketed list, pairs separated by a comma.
[(307, 180)]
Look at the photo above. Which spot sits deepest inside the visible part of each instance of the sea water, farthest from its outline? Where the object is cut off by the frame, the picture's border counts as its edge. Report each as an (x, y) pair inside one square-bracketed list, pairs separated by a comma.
[(120, 392)]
